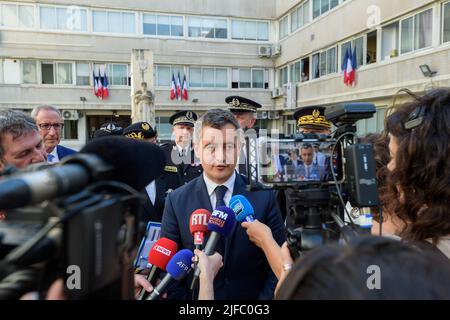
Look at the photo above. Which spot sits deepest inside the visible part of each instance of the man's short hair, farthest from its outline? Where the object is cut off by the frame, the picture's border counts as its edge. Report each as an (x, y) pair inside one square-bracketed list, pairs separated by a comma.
[(215, 118), (306, 146), (38, 109), (16, 123)]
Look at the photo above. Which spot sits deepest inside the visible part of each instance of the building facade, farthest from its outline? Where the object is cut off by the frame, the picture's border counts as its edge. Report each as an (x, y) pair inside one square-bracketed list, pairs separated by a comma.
[(283, 54)]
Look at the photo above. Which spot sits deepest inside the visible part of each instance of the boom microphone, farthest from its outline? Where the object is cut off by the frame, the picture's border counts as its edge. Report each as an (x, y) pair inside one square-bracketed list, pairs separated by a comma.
[(242, 208), (177, 268), (159, 256), (133, 162), (220, 224)]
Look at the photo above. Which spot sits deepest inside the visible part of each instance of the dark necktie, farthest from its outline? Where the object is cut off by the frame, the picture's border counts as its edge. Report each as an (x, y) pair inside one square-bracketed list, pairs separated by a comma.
[(220, 193)]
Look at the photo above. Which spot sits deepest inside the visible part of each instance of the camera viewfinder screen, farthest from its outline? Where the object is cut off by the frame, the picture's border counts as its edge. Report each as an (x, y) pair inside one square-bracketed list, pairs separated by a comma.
[(288, 161)]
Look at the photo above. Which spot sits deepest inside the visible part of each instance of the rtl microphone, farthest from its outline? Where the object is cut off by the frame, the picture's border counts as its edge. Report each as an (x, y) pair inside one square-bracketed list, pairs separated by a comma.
[(177, 268), (220, 225), (198, 225), (159, 256), (242, 208)]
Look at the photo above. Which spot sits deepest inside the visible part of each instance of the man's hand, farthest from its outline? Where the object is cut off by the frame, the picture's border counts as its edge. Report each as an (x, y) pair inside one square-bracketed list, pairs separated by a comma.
[(140, 282), (257, 232), (209, 266)]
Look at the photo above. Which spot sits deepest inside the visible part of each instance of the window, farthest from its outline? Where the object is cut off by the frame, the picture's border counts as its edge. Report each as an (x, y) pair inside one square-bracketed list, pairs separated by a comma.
[(163, 75), (246, 78), (118, 74), (29, 71), (324, 63), (114, 22), (13, 15), (163, 25), (300, 16), (82, 74), (356, 46), (208, 77), (70, 131), (64, 73), (164, 128), (284, 27), (416, 32), (446, 22), (71, 18), (208, 28), (390, 39), (322, 6), (284, 77), (249, 30), (47, 74)]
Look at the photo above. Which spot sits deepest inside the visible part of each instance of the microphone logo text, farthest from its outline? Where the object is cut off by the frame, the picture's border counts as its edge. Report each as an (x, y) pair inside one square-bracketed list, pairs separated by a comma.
[(163, 250)]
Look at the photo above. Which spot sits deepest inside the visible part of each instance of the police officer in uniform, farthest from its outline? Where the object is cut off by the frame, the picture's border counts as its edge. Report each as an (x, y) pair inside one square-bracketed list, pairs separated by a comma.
[(181, 163), (309, 119), (245, 111), (153, 206)]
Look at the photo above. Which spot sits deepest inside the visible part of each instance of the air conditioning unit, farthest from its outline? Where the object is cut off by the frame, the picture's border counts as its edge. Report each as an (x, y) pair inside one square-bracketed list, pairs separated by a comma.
[(265, 51), (70, 115), (274, 115), (262, 115), (276, 50), (277, 92)]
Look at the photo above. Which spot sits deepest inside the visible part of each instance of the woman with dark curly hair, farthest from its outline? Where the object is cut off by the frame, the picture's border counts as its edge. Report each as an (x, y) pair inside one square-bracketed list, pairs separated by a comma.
[(418, 185)]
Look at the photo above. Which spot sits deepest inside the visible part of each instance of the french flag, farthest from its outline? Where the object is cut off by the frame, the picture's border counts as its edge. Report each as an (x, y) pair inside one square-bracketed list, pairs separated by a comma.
[(95, 83), (173, 89), (349, 67), (178, 87), (104, 82), (184, 92)]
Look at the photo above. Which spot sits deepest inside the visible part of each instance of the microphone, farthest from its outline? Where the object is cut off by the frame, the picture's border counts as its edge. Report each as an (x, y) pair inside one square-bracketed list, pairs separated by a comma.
[(220, 224), (242, 208), (133, 162), (177, 268), (159, 256), (198, 225)]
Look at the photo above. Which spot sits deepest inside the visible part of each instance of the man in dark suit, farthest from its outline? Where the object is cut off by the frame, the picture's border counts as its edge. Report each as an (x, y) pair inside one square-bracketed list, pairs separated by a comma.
[(50, 124), (246, 273)]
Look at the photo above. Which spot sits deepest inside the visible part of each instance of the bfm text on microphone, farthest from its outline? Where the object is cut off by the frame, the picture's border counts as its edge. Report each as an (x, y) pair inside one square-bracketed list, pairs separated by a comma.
[(177, 269), (159, 256), (242, 208), (220, 224), (133, 162)]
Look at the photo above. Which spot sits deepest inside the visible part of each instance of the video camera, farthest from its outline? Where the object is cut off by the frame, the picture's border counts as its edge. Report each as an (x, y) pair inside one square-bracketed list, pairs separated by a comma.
[(319, 175), (78, 220)]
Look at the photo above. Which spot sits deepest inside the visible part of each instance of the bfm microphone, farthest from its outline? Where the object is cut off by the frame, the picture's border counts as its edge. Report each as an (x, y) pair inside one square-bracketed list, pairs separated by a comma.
[(133, 162), (159, 256), (242, 208), (220, 224), (198, 225), (177, 268)]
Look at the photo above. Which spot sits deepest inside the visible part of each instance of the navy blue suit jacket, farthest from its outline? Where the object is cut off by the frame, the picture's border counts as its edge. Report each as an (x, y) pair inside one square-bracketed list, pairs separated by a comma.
[(246, 273), (64, 152)]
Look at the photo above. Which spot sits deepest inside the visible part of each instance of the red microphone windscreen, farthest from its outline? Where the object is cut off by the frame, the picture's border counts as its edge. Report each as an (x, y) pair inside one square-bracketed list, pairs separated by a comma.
[(199, 221), (161, 252)]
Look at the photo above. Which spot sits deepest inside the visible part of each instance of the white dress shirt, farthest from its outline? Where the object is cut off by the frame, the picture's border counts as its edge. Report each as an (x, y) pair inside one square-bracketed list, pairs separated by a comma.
[(211, 186), (151, 191)]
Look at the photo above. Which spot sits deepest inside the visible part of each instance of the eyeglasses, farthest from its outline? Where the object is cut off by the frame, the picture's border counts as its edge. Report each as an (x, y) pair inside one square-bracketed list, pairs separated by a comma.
[(48, 126)]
